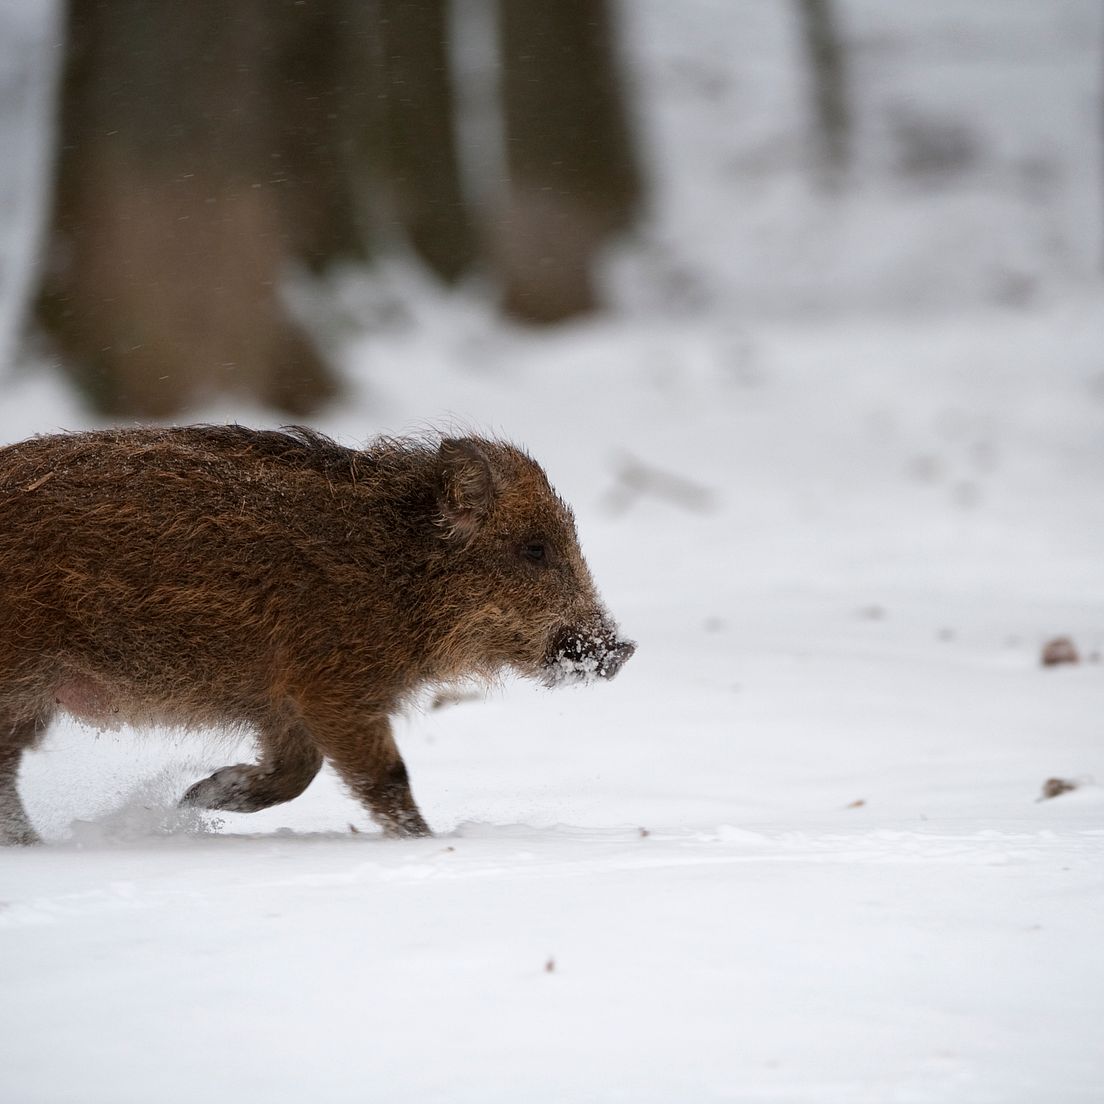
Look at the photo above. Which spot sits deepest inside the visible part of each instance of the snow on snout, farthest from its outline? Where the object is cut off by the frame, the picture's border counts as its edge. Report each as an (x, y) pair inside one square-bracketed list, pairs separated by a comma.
[(583, 657)]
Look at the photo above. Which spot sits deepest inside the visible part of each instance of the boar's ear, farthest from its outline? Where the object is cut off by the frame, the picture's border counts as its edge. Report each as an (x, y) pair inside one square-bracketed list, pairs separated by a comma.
[(465, 487)]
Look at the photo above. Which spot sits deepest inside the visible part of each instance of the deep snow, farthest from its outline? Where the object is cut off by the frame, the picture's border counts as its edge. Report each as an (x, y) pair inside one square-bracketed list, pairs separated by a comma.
[(794, 852)]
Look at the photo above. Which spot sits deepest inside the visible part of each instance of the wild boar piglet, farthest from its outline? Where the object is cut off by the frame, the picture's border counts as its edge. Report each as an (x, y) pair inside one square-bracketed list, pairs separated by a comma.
[(214, 576)]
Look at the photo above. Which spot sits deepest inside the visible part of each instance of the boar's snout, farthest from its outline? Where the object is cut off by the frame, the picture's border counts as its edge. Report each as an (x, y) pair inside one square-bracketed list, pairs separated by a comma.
[(615, 658), (580, 656)]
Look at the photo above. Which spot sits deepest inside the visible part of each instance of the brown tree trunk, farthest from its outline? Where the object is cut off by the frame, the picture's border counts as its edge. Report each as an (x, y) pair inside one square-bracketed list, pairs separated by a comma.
[(420, 164), (168, 235), (326, 88), (573, 176), (826, 59)]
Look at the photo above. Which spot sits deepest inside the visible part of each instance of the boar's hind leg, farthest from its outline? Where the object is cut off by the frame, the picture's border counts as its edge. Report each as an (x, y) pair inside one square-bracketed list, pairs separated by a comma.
[(369, 762), (14, 825), (289, 761)]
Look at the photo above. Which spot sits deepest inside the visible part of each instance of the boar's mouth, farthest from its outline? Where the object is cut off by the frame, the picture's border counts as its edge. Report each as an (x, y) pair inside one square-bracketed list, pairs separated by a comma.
[(582, 656)]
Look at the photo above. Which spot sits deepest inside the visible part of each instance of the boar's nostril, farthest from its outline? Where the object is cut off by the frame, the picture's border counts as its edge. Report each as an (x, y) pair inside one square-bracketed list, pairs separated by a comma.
[(615, 658)]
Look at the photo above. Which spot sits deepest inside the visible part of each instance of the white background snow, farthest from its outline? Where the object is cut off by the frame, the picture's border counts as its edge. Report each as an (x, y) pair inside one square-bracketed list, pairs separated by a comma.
[(837, 464)]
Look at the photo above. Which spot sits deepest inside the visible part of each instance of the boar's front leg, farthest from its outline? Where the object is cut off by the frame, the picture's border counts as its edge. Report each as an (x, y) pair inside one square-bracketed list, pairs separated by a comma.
[(15, 828), (289, 761), (369, 763)]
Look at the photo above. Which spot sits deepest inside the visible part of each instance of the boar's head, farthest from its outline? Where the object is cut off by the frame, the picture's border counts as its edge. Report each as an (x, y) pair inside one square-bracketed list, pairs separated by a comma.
[(524, 595)]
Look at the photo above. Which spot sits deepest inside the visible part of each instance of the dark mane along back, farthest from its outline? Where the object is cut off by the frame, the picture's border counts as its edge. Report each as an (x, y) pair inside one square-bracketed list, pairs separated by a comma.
[(293, 446), (112, 453)]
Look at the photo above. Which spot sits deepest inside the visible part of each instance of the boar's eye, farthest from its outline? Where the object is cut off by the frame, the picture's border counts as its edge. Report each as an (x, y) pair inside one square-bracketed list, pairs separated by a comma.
[(535, 552)]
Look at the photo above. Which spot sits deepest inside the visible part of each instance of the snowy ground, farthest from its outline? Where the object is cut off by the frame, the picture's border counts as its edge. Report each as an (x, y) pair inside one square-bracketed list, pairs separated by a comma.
[(794, 853)]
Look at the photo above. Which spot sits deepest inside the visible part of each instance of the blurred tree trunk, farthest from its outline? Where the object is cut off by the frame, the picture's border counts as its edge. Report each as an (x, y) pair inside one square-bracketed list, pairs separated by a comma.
[(168, 236), (573, 175), (325, 86), (420, 164), (826, 58)]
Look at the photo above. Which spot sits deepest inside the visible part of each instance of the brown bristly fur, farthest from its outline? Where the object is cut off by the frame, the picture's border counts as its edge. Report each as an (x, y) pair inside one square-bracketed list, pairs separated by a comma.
[(213, 576)]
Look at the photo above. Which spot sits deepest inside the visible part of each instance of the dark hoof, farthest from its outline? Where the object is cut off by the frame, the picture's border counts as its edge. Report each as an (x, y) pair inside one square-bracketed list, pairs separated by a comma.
[(229, 788), (404, 826), (19, 837)]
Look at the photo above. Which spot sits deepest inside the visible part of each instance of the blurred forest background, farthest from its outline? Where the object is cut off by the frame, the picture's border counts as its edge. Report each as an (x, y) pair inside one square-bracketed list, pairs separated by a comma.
[(174, 169)]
